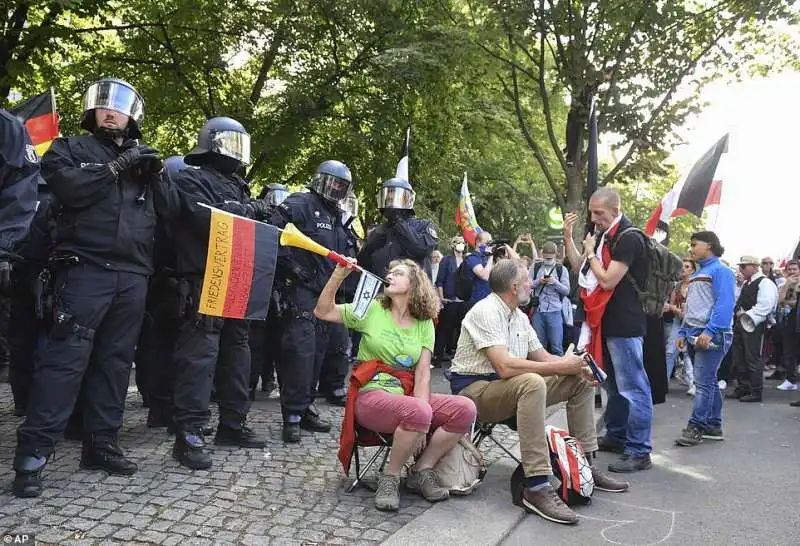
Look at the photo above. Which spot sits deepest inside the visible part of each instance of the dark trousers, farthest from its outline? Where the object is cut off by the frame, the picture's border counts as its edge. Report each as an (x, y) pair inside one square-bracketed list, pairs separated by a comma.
[(23, 335), (206, 346), (448, 329), (791, 346), (748, 365), (5, 319), (155, 368), (299, 341), (330, 360), (93, 345), (265, 347)]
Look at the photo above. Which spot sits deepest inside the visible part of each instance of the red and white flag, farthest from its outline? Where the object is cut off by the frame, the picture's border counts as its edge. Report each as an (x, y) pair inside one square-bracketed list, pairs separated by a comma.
[(702, 188)]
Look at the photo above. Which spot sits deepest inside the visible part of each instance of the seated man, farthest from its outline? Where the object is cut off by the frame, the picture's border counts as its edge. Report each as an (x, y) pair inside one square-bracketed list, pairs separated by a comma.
[(502, 367)]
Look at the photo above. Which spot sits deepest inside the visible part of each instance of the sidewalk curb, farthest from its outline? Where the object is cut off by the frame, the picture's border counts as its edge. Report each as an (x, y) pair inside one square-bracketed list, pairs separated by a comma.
[(485, 518)]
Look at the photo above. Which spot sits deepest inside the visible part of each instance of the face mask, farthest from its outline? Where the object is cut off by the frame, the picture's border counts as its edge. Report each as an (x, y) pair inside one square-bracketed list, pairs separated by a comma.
[(549, 261), (482, 248), (459, 248)]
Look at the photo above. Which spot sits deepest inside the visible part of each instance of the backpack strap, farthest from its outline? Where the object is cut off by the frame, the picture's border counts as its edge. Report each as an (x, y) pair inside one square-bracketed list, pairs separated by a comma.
[(614, 240)]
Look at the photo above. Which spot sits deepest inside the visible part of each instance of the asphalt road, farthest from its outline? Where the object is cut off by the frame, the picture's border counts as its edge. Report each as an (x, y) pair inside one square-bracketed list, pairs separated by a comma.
[(742, 491)]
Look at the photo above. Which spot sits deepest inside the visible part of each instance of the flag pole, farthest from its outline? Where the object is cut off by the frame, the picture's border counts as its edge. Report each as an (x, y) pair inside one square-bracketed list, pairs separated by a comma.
[(334, 256)]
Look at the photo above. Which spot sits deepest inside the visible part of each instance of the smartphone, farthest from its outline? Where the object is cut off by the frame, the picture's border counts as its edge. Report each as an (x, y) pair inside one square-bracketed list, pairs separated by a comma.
[(599, 374)]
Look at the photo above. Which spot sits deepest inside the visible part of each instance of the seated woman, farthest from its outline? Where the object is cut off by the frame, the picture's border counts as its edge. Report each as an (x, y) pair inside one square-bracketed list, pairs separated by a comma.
[(397, 342)]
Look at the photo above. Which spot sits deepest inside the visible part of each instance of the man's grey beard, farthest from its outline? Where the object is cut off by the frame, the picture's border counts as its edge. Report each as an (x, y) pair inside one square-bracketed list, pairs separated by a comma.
[(523, 300)]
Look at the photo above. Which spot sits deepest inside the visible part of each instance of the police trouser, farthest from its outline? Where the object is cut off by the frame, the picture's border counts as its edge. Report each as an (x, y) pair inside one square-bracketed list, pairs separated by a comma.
[(265, 346), (330, 360), (92, 344), (299, 342), (23, 334), (5, 317), (207, 346), (155, 370)]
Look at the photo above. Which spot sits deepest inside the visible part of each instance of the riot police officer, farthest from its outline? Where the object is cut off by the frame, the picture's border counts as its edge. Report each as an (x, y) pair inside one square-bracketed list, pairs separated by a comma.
[(155, 370), (104, 183), (402, 235), (335, 365), (205, 343), (19, 176), (302, 275), (265, 335)]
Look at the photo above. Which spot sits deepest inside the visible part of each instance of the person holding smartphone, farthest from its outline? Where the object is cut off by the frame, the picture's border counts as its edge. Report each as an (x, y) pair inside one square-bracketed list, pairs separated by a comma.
[(550, 285)]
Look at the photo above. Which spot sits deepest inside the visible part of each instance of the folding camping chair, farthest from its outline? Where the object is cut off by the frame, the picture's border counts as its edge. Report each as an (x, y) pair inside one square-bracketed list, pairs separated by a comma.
[(483, 431), (384, 445)]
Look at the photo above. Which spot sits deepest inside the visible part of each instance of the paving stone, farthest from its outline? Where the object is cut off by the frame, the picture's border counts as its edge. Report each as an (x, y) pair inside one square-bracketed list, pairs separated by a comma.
[(101, 531)]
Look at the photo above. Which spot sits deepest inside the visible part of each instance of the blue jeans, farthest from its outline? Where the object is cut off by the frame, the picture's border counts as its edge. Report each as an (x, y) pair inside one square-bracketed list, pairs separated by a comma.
[(549, 328), (707, 408), (629, 413), (671, 337)]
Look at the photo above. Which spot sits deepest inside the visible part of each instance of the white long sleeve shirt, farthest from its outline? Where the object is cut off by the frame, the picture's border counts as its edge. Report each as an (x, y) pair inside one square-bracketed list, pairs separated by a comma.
[(767, 299)]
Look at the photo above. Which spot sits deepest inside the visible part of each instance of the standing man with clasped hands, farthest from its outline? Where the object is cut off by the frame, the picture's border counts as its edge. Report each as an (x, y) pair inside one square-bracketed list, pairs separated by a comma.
[(615, 324)]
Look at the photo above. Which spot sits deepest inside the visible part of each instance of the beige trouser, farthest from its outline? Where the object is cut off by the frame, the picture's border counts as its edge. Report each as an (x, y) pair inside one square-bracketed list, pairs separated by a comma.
[(527, 396)]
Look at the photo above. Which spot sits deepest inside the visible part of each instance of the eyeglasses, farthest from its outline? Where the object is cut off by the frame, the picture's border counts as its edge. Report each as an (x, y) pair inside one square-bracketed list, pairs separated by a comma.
[(766, 263)]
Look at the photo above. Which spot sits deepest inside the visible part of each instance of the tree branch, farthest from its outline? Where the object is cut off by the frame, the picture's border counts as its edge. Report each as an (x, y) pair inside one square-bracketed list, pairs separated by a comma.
[(267, 62), (167, 44), (534, 146), (689, 68), (545, 96)]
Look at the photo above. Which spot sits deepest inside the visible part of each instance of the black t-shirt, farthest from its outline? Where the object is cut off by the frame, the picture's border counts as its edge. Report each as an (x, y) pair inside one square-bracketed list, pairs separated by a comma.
[(624, 316)]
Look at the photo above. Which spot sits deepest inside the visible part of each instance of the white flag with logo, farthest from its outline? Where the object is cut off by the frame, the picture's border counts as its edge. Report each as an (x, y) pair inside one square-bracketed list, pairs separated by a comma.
[(368, 287)]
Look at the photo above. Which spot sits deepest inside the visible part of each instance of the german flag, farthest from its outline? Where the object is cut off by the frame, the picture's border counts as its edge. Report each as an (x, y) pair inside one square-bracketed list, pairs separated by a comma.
[(240, 267), (40, 118)]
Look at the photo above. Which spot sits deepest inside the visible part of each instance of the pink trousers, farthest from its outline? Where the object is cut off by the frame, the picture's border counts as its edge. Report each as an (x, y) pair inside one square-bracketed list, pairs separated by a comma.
[(382, 411)]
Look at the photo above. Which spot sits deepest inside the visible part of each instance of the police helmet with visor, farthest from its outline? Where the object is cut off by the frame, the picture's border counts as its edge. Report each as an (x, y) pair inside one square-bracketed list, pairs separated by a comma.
[(116, 95), (274, 194), (332, 181), (222, 136), (396, 193)]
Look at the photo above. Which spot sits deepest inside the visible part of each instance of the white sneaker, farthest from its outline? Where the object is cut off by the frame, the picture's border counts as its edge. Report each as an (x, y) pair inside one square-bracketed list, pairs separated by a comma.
[(788, 386), (722, 384), (692, 390)]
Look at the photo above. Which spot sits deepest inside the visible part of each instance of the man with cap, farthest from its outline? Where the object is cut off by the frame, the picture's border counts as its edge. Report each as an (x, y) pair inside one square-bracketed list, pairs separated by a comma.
[(105, 184), (706, 333), (402, 235), (757, 301), (301, 276), (550, 287), (207, 345)]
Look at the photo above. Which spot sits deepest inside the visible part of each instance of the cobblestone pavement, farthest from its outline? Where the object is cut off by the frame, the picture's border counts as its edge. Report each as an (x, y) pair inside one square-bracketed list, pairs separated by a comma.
[(280, 495)]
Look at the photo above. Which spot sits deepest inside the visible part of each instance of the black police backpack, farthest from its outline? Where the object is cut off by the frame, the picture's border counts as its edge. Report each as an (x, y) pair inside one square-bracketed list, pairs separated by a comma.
[(465, 281)]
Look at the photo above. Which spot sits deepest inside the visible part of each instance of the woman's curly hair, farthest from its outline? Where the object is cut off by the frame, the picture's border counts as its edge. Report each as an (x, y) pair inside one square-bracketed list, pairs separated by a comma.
[(423, 302)]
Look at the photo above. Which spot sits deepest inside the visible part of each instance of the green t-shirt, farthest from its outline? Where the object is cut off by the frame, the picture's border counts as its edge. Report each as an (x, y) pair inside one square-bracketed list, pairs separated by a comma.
[(384, 340)]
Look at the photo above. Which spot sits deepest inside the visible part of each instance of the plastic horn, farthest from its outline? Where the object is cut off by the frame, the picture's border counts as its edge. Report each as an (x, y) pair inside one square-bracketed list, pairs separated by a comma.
[(291, 236)]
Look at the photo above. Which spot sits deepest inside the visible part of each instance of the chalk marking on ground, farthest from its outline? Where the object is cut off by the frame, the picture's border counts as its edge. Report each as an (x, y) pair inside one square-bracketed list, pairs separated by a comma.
[(616, 524)]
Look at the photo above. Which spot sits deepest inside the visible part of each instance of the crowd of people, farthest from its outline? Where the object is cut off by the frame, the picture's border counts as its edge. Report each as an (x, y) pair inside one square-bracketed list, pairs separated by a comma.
[(108, 267)]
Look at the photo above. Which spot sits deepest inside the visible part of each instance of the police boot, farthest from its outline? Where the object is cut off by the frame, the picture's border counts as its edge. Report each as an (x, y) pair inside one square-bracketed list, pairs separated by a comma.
[(311, 422), (28, 479), (99, 454), (190, 450), (291, 428), (239, 437), (159, 418), (338, 397)]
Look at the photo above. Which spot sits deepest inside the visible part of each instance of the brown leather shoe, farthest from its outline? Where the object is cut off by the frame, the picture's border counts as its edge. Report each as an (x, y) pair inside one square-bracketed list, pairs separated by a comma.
[(604, 482), (546, 503)]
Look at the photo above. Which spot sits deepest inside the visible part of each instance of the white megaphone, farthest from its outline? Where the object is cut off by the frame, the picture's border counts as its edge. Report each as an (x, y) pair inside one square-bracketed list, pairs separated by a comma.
[(748, 324)]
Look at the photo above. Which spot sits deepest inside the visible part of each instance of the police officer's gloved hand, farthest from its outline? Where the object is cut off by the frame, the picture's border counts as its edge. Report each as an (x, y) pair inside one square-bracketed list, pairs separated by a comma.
[(261, 211), (131, 157), (5, 275)]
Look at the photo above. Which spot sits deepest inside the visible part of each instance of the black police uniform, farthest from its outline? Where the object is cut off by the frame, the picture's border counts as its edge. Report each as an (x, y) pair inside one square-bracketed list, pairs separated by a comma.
[(19, 177), (335, 365), (105, 227), (302, 276), (401, 238), (31, 298), (265, 340), (204, 343)]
